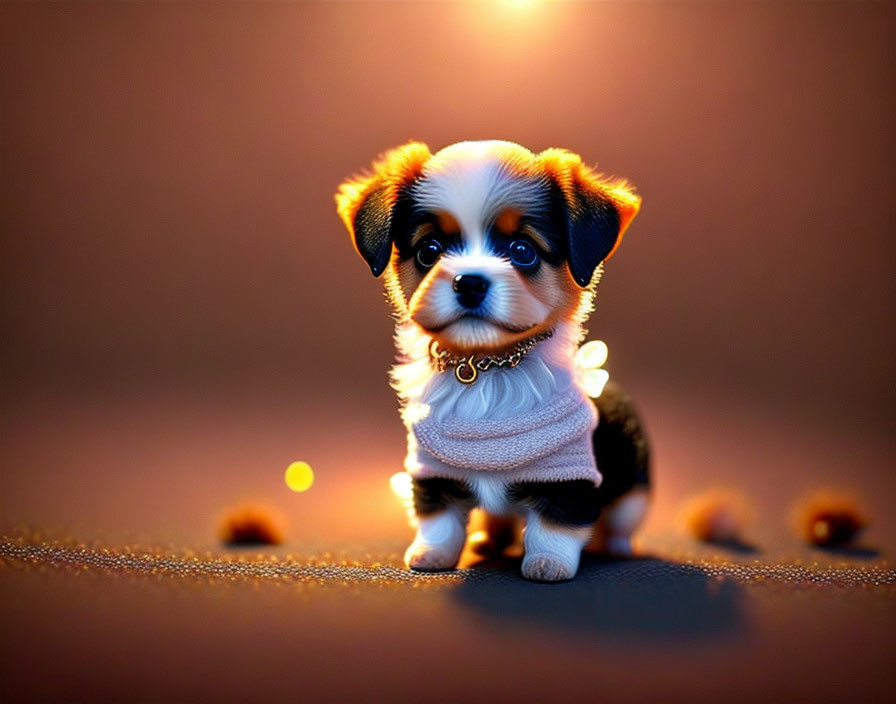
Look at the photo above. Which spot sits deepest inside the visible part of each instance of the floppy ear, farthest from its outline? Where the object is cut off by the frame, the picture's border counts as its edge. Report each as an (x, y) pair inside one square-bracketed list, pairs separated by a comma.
[(367, 203), (597, 211)]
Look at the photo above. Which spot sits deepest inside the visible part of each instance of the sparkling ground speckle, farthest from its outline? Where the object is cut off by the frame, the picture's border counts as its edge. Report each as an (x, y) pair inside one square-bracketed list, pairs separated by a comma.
[(135, 560)]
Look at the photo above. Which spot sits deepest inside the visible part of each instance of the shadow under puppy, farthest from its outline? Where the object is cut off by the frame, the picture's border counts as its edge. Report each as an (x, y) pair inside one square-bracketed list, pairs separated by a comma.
[(491, 256)]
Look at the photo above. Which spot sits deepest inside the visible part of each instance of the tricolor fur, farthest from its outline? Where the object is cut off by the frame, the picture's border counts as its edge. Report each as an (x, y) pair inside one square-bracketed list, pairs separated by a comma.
[(484, 245)]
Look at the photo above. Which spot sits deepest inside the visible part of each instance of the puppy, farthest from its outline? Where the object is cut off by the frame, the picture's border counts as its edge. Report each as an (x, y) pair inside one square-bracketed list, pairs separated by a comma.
[(491, 255)]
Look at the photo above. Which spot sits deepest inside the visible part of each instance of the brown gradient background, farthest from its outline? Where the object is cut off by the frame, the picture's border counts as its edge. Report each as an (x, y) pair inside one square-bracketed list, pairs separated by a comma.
[(183, 315), (168, 224), (169, 172)]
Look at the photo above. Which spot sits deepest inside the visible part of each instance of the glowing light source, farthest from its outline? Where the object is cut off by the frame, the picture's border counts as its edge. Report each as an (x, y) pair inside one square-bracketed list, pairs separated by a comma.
[(590, 357), (299, 476), (478, 536), (594, 381), (592, 354), (402, 486)]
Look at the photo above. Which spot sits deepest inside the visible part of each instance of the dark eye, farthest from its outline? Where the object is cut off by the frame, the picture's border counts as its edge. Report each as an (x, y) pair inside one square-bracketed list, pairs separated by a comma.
[(428, 253), (522, 254)]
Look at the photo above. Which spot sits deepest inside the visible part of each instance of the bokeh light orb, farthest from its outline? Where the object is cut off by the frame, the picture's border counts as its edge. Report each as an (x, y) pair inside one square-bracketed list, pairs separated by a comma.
[(402, 486), (594, 381), (593, 354), (299, 476)]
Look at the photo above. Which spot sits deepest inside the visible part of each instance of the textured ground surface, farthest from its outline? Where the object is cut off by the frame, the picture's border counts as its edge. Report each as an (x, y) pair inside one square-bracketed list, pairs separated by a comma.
[(113, 587), (86, 623)]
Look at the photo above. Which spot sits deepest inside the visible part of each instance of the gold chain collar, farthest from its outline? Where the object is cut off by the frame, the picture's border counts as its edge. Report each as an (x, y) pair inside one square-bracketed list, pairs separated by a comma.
[(467, 368)]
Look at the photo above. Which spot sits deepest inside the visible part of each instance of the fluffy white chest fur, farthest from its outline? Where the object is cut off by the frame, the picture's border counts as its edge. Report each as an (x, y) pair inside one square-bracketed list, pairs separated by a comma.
[(497, 394)]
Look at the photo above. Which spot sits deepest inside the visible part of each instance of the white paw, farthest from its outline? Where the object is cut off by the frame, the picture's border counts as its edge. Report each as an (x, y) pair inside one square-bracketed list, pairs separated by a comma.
[(428, 558), (552, 551), (439, 542), (545, 567)]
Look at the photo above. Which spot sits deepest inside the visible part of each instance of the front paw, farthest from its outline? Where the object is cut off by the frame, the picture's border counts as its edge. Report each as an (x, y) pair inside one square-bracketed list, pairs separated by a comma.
[(545, 567), (430, 558)]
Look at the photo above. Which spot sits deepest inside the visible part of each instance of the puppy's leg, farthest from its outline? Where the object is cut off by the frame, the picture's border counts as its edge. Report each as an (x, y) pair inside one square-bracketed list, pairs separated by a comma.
[(622, 452), (552, 551), (619, 521), (441, 507), (560, 518)]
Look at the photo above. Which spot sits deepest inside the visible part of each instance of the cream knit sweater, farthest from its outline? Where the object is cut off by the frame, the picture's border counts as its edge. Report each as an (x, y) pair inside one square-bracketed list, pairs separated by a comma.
[(552, 442)]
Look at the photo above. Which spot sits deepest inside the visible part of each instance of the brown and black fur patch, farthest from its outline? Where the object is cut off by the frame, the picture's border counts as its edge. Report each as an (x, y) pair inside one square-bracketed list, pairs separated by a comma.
[(569, 503), (621, 447), (437, 493), (367, 203), (623, 459)]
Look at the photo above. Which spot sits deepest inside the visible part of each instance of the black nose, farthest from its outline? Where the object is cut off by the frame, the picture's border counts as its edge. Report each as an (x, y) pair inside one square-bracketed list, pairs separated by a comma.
[(471, 289)]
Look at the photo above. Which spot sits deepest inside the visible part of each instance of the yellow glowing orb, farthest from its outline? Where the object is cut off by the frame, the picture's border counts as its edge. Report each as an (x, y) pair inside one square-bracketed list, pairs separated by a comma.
[(299, 476), (402, 486)]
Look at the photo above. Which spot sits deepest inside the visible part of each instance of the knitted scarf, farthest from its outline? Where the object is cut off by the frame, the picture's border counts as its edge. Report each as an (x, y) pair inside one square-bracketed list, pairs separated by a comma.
[(552, 442)]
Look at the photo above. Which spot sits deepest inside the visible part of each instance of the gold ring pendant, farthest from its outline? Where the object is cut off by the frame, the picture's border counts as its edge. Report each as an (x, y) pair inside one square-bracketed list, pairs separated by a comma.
[(466, 378)]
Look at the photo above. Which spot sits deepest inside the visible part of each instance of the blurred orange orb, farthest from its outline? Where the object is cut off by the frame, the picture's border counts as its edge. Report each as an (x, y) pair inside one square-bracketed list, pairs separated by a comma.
[(252, 524), (829, 517), (716, 515)]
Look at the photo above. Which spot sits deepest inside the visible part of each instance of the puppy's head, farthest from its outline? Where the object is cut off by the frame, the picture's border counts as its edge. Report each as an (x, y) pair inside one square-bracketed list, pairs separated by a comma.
[(485, 243)]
